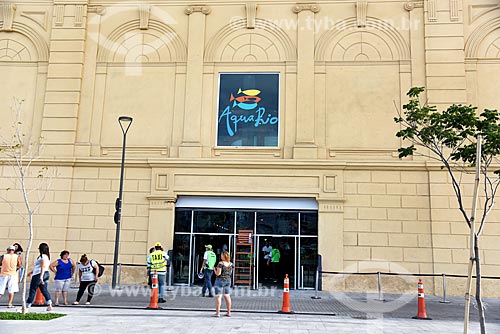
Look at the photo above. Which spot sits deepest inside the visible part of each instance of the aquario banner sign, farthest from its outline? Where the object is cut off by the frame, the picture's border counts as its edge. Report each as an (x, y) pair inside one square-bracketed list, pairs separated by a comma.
[(248, 109)]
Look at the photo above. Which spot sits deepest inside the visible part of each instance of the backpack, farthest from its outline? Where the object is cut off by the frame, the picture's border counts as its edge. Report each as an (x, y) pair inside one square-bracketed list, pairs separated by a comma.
[(100, 269)]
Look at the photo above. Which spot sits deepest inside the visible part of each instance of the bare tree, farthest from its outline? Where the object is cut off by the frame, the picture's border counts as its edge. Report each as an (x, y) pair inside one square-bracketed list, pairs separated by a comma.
[(31, 179), (459, 138)]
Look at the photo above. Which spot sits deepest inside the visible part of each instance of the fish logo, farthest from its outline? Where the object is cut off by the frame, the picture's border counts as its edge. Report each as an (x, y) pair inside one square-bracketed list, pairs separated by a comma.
[(248, 101)]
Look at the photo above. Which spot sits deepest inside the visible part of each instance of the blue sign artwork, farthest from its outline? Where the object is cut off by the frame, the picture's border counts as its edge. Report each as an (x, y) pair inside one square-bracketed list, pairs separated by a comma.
[(248, 109)]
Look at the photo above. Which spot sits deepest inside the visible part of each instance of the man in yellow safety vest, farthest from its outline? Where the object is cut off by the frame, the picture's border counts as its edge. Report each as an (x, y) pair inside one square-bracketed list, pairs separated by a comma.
[(157, 261)]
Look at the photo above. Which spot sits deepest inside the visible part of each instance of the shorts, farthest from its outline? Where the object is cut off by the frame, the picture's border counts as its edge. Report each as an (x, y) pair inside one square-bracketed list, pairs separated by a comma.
[(9, 282), (222, 287), (62, 284)]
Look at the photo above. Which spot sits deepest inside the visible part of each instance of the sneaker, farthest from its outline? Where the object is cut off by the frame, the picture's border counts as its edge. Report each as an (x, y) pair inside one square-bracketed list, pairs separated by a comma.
[(87, 303), (10, 306), (161, 300), (76, 303)]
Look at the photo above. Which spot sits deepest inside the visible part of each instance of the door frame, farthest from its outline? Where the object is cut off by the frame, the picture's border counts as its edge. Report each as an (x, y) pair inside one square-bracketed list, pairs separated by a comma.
[(296, 258), (195, 262)]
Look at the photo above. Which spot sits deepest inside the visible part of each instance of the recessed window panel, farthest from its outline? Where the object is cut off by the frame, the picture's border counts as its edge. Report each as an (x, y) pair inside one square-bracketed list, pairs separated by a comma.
[(182, 220), (284, 223), (245, 220), (213, 222), (309, 223)]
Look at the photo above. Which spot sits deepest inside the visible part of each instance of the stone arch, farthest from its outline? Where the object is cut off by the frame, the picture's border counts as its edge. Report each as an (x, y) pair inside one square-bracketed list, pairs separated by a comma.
[(129, 44), (484, 41), (377, 41), (22, 44), (234, 42)]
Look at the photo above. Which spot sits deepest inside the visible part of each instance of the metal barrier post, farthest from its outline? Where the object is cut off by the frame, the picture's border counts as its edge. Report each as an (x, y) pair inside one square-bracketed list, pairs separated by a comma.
[(75, 278), (119, 287), (301, 277), (169, 286), (316, 286), (379, 286), (444, 301)]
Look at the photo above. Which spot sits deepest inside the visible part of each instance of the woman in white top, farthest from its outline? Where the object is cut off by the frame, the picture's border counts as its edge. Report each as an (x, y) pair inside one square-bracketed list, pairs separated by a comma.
[(40, 276), (88, 278)]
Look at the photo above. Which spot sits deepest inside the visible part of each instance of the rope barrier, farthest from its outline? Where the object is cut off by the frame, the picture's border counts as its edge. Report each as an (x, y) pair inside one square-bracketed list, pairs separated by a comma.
[(402, 274), (379, 280)]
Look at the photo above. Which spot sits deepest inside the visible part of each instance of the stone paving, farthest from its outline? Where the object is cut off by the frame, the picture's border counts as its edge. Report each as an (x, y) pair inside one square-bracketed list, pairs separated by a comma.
[(256, 312)]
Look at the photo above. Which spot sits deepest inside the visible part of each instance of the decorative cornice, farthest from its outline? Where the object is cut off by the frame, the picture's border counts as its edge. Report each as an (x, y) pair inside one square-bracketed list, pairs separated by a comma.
[(162, 202), (361, 11), (306, 6), (59, 15), (99, 10), (79, 14), (251, 11), (198, 9), (431, 11), (411, 5), (144, 14), (9, 9), (71, 2), (454, 15)]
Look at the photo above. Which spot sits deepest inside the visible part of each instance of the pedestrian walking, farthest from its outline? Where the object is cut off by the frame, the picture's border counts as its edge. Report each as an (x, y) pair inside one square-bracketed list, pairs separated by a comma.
[(40, 276), (207, 269), (158, 262), (223, 271), (11, 262), (64, 268), (87, 273), (19, 251)]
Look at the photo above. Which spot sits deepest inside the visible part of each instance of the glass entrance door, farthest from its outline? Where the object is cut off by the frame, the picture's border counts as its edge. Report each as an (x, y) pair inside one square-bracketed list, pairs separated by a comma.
[(219, 244), (308, 262), (293, 232), (276, 257)]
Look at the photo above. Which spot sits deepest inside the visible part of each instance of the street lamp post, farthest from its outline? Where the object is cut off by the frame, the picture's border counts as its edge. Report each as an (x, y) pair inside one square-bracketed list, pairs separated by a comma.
[(125, 122)]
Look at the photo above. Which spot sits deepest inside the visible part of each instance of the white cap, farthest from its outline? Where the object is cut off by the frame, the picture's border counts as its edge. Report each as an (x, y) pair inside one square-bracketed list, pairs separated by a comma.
[(11, 248)]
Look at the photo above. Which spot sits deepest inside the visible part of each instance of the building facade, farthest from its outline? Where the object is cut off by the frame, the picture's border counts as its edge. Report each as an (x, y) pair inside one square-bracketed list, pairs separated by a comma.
[(274, 117)]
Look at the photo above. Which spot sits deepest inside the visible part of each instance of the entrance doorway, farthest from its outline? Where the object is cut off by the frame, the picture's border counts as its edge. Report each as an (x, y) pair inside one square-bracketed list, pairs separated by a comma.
[(200, 221), (219, 244), (271, 273)]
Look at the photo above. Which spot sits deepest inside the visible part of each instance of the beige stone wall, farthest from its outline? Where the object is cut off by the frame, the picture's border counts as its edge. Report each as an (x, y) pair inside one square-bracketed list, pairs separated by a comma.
[(344, 66)]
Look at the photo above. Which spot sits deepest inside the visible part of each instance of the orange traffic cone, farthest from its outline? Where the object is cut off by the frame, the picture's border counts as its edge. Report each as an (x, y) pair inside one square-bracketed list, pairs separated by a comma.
[(285, 308), (422, 314), (153, 302), (39, 300)]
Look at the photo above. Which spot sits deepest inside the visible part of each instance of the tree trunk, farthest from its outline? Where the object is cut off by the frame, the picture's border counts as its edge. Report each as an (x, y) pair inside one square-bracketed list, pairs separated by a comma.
[(480, 306), (26, 261)]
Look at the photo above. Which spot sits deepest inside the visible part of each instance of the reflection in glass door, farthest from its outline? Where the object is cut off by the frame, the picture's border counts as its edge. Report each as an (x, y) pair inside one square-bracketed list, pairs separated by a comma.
[(181, 258), (308, 262)]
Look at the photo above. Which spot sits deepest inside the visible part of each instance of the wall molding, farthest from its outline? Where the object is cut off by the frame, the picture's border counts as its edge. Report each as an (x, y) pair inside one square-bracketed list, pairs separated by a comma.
[(198, 9), (264, 28), (8, 12)]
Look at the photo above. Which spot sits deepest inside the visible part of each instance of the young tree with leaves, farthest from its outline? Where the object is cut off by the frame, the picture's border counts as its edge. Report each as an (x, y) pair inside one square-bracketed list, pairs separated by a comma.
[(451, 138), (19, 150)]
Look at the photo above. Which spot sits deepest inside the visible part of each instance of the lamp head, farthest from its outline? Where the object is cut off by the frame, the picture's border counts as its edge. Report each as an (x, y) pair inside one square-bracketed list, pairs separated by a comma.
[(125, 122)]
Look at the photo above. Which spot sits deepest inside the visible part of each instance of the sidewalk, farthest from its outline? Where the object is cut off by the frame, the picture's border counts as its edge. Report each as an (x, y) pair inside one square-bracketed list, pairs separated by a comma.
[(256, 312)]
